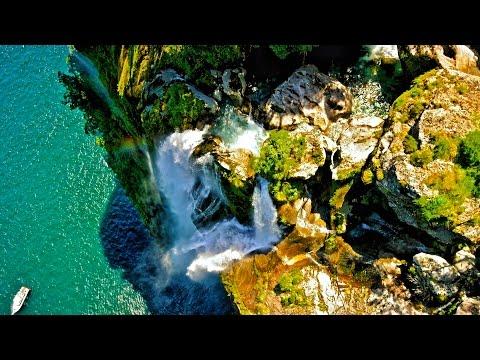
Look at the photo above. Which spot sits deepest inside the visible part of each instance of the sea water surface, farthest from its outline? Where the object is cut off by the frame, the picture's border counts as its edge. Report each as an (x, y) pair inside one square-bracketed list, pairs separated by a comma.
[(54, 189)]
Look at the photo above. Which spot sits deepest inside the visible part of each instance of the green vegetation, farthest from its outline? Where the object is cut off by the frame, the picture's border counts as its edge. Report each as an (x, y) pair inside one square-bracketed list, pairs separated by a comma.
[(453, 187), (445, 147), (469, 154), (411, 103), (290, 290), (279, 155), (410, 144), (420, 158), (196, 61), (469, 158), (181, 106), (178, 109), (367, 177), (283, 51), (462, 88), (239, 195)]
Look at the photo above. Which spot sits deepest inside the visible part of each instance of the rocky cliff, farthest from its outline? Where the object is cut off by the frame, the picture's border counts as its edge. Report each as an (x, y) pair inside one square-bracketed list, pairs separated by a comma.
[(373, 165)]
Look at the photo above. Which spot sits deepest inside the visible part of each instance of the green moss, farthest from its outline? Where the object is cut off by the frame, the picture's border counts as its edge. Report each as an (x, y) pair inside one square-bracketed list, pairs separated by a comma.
[(279, 155), (284, 191), (330, 244), (420, 158), (410, 144), (367, 177), (283, 51), (339, 193), (445, 147), (411, 103), (453, 187), (239, 195), (290, 291)]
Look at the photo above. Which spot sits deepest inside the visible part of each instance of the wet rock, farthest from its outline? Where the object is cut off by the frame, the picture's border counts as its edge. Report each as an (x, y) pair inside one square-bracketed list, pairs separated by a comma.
[(435, 277), (469, 306), (234, 85), (308, 96)]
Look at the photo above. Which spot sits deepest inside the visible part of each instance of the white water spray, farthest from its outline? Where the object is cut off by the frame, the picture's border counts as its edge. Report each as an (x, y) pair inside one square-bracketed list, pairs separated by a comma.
[(185, 185)]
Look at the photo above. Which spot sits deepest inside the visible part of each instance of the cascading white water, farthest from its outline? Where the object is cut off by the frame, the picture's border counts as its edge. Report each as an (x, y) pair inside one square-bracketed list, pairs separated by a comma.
[(238, 132), (184, 185), (267, 231)]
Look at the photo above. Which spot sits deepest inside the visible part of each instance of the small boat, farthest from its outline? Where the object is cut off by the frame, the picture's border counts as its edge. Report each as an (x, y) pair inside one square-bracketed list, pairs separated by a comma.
[(19, 299)]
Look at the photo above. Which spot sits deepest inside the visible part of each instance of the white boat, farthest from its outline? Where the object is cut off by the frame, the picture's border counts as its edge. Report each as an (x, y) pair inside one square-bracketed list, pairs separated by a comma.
[(19, 299)]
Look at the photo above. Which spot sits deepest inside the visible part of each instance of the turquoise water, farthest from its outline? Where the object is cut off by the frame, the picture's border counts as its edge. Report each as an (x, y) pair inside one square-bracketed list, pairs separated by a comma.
[(54, 189)]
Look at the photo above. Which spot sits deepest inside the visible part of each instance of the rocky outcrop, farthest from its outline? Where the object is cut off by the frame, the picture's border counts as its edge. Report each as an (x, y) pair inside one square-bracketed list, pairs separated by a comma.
[(417, 59), (469, 306), (445, 97), (384, 54), (357, 141), (308, 96), (434, 277)]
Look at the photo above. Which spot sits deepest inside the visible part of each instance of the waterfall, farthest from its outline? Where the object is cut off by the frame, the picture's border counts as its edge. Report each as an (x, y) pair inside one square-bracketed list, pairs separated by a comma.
[(83, 65), (187, 185), (267, 231)]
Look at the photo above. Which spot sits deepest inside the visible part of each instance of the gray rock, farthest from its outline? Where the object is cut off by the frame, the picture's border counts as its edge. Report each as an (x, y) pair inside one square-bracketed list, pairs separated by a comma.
[(436, 276), (385, 54), (308, 96), (464, 261), (356, 143), (469, 306)]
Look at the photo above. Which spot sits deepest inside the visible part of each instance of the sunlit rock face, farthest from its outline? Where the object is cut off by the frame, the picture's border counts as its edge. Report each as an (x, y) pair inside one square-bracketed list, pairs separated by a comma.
[(308, 96)]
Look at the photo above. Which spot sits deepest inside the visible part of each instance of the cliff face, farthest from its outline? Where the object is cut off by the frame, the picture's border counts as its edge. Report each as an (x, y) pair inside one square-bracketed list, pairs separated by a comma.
[(374, 196)]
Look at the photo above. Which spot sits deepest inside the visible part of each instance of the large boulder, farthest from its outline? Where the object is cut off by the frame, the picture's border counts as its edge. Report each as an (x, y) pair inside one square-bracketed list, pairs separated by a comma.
[(308, 96), (357, 141), (469, 306), (441, 102), (435, 278)]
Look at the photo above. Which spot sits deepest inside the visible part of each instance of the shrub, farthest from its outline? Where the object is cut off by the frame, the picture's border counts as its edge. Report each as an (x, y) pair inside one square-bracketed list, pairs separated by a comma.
[(445, 147), (420, 158), (282, 51), (454, 183), (410, 144), (181, 106), (437, 209), (469, 152)]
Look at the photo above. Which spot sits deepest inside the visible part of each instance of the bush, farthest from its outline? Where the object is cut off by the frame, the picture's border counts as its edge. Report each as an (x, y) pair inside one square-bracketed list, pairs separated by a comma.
[(469, 152), (181, 106), (410, 144), (420, 158), (445, 147), (438, 209)]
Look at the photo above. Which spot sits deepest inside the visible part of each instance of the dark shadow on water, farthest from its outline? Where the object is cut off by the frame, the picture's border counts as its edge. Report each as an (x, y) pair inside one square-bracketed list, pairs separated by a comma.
[(128, 246)]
